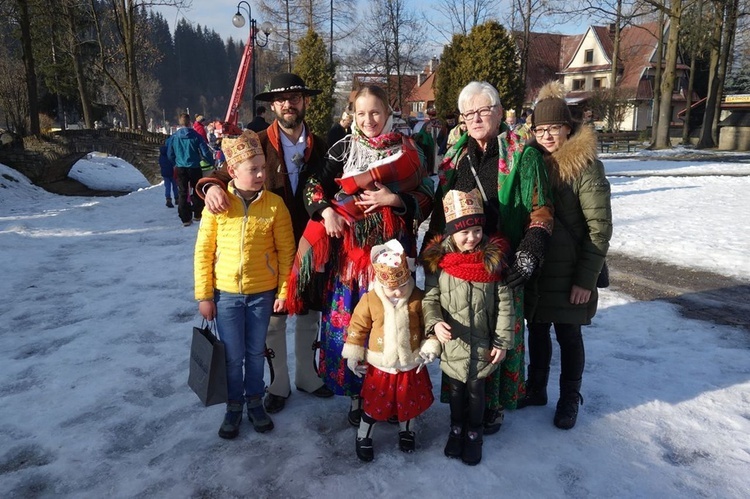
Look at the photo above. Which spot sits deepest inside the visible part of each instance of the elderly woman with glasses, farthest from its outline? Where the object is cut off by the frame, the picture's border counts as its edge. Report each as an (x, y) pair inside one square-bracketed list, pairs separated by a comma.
[(564, 292), (512, 180)]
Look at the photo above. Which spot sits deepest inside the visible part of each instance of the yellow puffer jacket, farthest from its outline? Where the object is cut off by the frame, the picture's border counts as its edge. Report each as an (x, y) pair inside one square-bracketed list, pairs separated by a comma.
[(245, 250)]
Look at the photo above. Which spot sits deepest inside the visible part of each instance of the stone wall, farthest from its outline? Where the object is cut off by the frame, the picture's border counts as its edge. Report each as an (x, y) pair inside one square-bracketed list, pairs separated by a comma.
[(48, 158)]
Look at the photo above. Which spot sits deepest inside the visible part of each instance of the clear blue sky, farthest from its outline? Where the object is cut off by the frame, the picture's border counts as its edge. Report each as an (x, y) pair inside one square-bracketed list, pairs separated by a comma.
[(217, 15)]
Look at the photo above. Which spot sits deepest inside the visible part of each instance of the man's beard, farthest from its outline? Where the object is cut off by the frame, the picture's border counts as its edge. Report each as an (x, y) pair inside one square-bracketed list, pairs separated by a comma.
[(291, 123)]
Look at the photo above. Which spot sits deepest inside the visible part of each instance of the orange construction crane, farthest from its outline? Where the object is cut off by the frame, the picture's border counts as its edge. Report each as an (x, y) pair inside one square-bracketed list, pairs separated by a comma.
[(233, 111)]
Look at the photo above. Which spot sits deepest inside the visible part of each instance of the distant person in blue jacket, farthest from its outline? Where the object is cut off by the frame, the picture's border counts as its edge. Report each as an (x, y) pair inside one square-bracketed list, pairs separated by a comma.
[(186, 149), (167, 173)]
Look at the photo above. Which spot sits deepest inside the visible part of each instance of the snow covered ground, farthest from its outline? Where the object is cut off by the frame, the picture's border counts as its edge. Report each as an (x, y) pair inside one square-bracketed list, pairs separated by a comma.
[(95, 334)]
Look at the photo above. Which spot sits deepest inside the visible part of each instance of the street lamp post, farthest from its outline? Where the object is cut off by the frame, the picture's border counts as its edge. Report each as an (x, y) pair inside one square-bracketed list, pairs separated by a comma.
[(239, 21)]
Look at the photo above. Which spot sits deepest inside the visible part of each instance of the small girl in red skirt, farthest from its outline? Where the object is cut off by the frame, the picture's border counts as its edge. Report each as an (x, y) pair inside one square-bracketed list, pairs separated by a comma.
[(386, 343)]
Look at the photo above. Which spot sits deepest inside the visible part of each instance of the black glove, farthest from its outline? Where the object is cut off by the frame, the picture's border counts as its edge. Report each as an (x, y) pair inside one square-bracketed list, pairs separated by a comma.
[(522, 269), (529, 256)]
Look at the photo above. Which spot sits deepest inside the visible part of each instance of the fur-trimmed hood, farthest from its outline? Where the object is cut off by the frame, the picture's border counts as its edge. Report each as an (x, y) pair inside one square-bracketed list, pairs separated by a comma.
[(567, 163), (495, 253)]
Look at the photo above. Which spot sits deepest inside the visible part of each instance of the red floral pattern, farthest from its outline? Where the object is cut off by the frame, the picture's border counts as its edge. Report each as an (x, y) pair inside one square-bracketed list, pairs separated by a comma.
[(405, 395)]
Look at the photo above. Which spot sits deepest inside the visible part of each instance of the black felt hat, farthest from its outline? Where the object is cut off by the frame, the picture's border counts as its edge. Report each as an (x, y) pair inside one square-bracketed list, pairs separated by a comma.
[(285, 83)]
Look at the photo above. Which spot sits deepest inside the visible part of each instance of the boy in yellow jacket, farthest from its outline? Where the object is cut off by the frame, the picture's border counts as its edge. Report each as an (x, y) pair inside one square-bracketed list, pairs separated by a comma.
[(242, 261)]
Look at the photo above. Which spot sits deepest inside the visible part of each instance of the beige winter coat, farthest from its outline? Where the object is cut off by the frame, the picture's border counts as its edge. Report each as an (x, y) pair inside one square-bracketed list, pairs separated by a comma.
[(388, 336)]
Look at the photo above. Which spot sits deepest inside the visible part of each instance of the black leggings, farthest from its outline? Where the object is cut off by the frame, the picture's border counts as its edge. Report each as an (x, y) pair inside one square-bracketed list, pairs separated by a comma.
[(572, 354), (467, 402)]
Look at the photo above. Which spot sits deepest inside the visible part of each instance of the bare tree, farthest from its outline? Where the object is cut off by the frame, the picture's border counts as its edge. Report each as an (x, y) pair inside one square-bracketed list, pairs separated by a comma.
[(72, 44), (724, 29), (695, 39), (122, 45), (293, 18), (460, 15), (657, 77), (611, 105), (14, 98), (391, 46), (525, 16), (674, 13), (23, 18)]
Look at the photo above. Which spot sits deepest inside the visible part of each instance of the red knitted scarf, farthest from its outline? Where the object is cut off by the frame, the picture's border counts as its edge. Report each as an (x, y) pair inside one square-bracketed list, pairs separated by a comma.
[(467, 266)]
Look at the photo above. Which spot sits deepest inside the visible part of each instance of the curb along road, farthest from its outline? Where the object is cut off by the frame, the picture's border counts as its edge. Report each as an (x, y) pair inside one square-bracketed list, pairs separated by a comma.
[(699, 294)]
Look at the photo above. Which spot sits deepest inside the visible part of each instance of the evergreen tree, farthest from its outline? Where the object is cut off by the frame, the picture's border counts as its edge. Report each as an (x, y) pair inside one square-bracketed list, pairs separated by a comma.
[(313, 66), (218, 86), (447, 85), (490, 55), (163, 71), (487, 54), (185, 47), (739, 82)]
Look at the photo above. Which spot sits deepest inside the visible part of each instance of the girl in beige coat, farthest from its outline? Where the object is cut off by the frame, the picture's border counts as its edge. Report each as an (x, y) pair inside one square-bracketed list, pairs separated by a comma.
[(386, 343)]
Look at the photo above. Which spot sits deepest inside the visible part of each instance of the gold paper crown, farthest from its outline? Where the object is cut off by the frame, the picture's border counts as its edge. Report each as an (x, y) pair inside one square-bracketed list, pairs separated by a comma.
[(390, 265), (238, 149), (457, 204)]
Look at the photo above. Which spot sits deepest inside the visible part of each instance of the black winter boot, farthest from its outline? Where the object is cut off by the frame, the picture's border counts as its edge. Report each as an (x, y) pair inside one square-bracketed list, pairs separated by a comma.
[(407, 440), (169, 203), (363, 445), (567, 407), (230, 427), (455, 445), (364, 449), (256, 413), (472, 453), (536, 388), (493, 420)]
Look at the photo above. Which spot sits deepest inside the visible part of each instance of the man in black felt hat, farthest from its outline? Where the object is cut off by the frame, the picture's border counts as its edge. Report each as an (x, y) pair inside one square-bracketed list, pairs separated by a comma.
[(293, 152)]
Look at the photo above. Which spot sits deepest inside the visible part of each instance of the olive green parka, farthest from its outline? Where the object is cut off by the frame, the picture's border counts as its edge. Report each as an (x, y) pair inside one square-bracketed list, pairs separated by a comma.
[(480, 314), (580, 237)]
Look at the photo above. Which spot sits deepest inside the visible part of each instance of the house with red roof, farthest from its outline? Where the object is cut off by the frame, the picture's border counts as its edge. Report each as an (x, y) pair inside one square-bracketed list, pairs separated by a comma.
[(584, 64)]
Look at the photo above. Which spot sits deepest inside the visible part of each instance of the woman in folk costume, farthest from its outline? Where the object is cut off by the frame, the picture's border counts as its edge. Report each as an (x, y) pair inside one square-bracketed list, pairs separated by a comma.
[(512, 180), (373, 188), (386, 341), (468, 307), (564, 292)]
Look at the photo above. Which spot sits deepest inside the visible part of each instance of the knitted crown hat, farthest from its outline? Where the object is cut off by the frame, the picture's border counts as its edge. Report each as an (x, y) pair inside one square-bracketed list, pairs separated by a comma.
[(462, 210), (238, 149), (551, 108), (390, 265)]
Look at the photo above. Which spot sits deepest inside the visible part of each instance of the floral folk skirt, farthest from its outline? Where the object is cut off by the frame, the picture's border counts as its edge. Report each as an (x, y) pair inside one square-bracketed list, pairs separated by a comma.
[(405, 394), (339, 303)]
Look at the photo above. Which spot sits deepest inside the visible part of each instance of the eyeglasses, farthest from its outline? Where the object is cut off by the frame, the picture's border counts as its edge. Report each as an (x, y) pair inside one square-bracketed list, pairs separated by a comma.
[(482, 111), (553, 130), (292, 99)]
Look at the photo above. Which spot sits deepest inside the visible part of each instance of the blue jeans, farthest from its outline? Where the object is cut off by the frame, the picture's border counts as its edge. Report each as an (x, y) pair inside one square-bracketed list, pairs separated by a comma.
[(170, 188), (242, 321)]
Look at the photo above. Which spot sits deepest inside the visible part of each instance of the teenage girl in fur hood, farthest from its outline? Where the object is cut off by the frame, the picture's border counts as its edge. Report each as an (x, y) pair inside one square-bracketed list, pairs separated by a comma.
[(470, 309), (563, 292)]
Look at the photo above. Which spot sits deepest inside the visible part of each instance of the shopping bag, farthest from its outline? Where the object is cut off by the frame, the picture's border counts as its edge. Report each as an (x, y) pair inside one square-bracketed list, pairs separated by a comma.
[(208, 373)]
